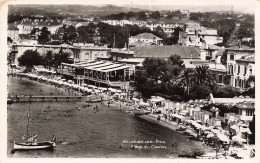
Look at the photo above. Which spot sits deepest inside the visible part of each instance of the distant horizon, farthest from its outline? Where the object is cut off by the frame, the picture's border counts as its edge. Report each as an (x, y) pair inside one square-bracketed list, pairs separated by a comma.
[(248, 8)]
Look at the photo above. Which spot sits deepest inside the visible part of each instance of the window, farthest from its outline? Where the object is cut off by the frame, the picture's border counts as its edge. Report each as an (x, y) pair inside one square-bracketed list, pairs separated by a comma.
[(245, 70), (249, 112), (251, 72), (238, 69), (220, 78), (232, 57)]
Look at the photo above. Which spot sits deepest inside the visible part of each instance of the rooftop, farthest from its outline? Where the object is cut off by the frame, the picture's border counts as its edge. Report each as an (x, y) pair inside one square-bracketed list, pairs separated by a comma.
[(146, 36), (132, 60), (220, 52), (250, 58), (166, 51), (210, 46), (209, 32)]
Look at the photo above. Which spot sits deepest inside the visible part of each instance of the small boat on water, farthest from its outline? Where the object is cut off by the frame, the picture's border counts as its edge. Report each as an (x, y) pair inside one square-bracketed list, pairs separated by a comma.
[(34, 145), (31, 143), (9, 101)]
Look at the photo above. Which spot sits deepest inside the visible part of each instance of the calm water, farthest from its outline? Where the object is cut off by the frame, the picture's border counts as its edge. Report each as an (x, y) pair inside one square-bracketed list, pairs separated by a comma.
[(85, 133)]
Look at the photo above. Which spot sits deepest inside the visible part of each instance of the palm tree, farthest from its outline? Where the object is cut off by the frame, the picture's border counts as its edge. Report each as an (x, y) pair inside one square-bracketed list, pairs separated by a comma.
[(203, 75), (186, 78)]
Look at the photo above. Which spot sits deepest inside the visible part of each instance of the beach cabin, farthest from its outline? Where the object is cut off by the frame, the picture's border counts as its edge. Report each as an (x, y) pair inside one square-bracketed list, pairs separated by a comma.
[(246, 110), (157, 103)]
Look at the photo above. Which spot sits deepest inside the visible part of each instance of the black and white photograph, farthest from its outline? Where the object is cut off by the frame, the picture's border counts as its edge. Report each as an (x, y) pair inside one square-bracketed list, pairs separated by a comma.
[(129, 79)]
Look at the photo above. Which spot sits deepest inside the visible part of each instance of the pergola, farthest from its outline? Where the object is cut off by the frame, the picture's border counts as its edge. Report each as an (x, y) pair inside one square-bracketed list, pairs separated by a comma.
[(100, 71)]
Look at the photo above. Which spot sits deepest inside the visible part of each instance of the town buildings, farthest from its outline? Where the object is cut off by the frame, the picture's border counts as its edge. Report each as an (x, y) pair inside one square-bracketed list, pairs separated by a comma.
[(26, 25), (196, 35), (167, 25), (144, 38), (240, 65), (16, 50), (85, 52)]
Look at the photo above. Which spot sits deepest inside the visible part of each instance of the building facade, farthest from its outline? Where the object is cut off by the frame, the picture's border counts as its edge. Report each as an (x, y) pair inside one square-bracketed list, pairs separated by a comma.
[(146, 38), (18, 49), (240, 65)]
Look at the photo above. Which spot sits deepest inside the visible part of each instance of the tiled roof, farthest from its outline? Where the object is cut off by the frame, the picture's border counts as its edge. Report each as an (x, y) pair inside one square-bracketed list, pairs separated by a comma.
[(146, 36), (167, 51), (138, 43), (210, 46), (209, 32)]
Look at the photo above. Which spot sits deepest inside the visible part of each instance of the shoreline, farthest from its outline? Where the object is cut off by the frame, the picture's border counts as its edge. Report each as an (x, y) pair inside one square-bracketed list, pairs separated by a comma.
[(153, 119)]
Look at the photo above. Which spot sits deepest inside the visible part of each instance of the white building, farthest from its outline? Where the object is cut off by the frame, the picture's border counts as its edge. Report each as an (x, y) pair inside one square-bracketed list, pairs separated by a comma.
[(196, 35), (240, 65), (147, 38), (18, 49)]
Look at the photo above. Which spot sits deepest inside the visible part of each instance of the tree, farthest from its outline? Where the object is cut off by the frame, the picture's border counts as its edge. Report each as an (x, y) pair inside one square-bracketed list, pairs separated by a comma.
[(155, 68), (186, 79), (68, 34), (44, 37), (159, 76), (141, 15), (86, 33), (48, 58), (175, 64), (200, 92), (203, 76), (61, 58), (159, 32), (29, 59), (155, 15), (226, 92), (251, 81)]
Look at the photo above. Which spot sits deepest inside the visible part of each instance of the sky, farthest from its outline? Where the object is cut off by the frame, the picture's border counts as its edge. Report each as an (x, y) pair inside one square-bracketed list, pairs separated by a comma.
[(246, 6)]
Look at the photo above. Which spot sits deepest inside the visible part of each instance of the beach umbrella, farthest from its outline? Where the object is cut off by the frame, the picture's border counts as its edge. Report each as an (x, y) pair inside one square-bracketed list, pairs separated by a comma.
[(135, 99), (84, 85), (215, 131), (204, 128), (118, 91), (210, 135), (97, 91), (207, 132), (238, 139), (199, 121), (223, 137)]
